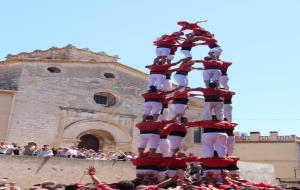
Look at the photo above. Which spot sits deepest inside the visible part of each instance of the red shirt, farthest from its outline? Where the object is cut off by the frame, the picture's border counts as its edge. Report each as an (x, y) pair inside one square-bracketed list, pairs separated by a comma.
[(187, 25), (186, 66), (166, 42), (166, 100), (213, 124), (147, 161), (189, 43), (216, 162), (174, 127), (159, 69), (211, 64), (227, 98), (215, 91), (211, 42), (149, 126), (154, 95), (201, 32), (173, 49), (224, 67)]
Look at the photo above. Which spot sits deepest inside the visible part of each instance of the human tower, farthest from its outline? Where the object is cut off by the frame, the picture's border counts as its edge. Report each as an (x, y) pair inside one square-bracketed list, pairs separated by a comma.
[(164, 124)]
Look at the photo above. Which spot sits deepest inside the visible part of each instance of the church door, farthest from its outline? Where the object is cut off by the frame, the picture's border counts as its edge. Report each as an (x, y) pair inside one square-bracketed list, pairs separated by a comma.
[(89, 142)]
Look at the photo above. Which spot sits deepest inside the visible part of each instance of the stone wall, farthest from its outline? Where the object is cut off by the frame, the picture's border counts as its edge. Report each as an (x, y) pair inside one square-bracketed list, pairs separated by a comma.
[(47, 104), (42, 94), (27, 171)]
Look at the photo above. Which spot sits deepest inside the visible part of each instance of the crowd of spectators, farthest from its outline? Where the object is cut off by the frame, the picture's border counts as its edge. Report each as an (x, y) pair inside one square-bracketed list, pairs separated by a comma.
[(32, 149), (182, 181)]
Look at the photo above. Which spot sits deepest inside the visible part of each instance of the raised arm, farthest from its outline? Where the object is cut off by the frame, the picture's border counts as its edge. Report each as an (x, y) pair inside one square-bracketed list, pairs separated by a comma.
[(92, 173)]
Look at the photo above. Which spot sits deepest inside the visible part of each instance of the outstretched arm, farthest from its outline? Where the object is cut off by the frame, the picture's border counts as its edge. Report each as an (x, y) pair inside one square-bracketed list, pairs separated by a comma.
[(199, 68), (92, 173)]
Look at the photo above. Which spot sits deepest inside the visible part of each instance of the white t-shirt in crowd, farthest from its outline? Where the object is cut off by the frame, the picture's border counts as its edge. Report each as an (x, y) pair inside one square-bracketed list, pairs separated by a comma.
[(45, 153)]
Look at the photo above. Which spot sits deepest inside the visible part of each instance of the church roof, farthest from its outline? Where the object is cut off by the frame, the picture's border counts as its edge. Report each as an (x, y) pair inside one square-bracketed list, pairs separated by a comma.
[(68, 53)]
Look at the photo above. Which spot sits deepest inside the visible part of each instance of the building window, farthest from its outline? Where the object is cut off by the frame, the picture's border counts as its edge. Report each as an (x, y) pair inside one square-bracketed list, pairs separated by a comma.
[(197, 136), (105, 99), (109, 75), (53, 70)]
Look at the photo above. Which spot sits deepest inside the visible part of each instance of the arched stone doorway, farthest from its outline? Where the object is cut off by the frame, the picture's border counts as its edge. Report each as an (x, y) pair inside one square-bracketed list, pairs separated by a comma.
[(110, 135), (97, 140), (89, 142)]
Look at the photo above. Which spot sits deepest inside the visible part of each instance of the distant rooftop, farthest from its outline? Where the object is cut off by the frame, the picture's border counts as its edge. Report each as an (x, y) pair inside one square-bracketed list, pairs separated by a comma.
[(272, 138), (68, 53)]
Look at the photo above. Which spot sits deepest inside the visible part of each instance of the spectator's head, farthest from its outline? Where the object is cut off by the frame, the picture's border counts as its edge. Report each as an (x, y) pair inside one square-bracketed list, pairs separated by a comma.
[(46, 147), (31, 143), (124, 185), (14, 144)]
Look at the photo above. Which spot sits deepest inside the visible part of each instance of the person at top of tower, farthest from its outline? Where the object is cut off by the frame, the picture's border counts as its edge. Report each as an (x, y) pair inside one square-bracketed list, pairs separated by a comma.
[(182, 72), (179, 102), (189, 26), (201, 32), (158, 73), (213, 101), (152, 103)]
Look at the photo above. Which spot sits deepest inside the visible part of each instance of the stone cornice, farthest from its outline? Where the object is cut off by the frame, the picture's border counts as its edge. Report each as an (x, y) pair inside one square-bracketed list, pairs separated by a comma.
[(69, 52)]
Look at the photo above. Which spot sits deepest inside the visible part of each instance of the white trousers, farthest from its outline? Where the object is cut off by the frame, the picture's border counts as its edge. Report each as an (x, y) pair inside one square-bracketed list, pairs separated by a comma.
[(170, 57), (156, 80), (213, 107), (164, 115), (186, 53), (167, 85), (175, 142), (223, 82), (162, 51), (177, 110), (151, 139), (152, 108), (171, 173), (164, 147), (211, 74), (228, 112), (182, 80), (230, 145), (214, 141)]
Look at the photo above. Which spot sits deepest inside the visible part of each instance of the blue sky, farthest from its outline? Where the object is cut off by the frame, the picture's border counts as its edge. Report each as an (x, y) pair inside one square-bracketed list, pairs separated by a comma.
[(261, 38)]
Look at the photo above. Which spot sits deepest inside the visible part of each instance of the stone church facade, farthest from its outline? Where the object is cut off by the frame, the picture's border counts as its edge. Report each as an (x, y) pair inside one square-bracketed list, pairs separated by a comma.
[(65, 96)]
